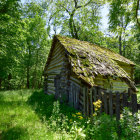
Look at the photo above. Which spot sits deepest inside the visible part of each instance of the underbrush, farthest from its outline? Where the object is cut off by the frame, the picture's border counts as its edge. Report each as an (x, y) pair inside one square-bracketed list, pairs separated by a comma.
[(28, 114)]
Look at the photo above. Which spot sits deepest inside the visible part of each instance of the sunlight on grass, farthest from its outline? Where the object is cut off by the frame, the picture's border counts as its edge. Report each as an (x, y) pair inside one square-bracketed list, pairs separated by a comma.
[(18, 120)]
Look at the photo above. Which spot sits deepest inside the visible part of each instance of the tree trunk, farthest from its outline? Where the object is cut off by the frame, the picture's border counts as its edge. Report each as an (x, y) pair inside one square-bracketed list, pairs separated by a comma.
[(120, 44), (28, 66), (35, 72), (9, 78), (28, 77), (72, 26)]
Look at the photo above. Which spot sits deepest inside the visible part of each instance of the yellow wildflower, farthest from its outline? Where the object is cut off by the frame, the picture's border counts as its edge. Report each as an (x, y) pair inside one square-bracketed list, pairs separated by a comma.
[(80, 117), (94, 114), (79, 113), (96, 109)]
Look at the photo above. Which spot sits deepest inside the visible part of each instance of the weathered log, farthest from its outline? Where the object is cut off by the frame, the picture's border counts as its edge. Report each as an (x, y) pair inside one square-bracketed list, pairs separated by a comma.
[(91, 102), (134, 103), (105, 102), (125, 100), (84, 100), (110, 104), (117, 106)]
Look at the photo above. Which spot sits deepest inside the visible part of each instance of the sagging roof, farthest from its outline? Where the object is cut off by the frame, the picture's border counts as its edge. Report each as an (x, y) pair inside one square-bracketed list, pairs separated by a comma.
[(88, 60)]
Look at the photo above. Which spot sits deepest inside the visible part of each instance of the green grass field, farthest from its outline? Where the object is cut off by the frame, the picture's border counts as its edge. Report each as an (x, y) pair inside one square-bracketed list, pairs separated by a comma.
[(23, 114)]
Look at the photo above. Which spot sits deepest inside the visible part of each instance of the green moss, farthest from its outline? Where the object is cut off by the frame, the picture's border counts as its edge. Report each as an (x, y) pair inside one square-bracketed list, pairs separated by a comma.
[(88, 60)]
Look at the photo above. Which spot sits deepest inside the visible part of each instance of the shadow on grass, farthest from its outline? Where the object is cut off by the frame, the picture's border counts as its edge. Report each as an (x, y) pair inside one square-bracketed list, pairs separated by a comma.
[(15, 133), (43, 105), (1, 97)]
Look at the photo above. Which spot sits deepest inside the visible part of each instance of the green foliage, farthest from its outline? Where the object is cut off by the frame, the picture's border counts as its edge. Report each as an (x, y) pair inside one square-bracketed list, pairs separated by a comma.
[(25, 32), (129, 125), (23, 45), (30, 114)]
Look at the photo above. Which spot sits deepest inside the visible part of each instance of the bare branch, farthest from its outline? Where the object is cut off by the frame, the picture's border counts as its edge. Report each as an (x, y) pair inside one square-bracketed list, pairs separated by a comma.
[(76, 1), (84, 5)]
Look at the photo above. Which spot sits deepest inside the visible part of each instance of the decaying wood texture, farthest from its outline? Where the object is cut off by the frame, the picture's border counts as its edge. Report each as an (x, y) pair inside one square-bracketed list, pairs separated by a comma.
[(134, 103), (118, 106), (110, 104), (105, 102), (91, 102), (80, 73)]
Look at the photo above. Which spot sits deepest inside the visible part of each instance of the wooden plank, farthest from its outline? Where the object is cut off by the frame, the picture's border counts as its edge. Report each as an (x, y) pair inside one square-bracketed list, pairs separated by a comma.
[(80, 108), (58, 61), (70, 96), (51, 76), (74, 96), (60, 58), (91, 102), (75, 80), (55, 69), (134, 103), (50, 81), (94, 93), (50, 84), (77, 94), (125, 99), (110, 104), (54, 66), (51, 87), (57, 58), (84, 100), (87, 101), (105, 102), (100, 98), (61, 53), (50, 91), (57, 48), (117, 106), (75, 83), (81, 102)]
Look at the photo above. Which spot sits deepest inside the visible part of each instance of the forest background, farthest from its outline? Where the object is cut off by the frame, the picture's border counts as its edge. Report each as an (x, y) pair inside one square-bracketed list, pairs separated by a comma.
[(27, 28)]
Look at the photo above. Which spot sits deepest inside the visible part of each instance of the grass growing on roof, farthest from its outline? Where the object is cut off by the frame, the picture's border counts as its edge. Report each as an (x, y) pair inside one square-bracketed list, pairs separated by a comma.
[(89, 60)]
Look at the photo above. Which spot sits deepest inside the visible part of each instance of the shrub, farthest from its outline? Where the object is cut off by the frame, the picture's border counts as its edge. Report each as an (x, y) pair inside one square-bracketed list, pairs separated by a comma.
[(129, 125)]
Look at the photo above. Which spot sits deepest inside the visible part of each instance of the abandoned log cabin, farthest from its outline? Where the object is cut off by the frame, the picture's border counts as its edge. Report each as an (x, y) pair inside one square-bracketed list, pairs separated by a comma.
[(75, 69)]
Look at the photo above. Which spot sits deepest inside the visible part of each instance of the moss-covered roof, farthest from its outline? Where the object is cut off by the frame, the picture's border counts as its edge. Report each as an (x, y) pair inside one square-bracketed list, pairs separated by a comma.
[(89, 60)]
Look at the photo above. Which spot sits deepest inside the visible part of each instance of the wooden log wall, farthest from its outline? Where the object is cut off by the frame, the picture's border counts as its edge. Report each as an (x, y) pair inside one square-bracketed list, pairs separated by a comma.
[(75, 96), (110, 83), (112, 103), (128, 68), (55, 67)]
